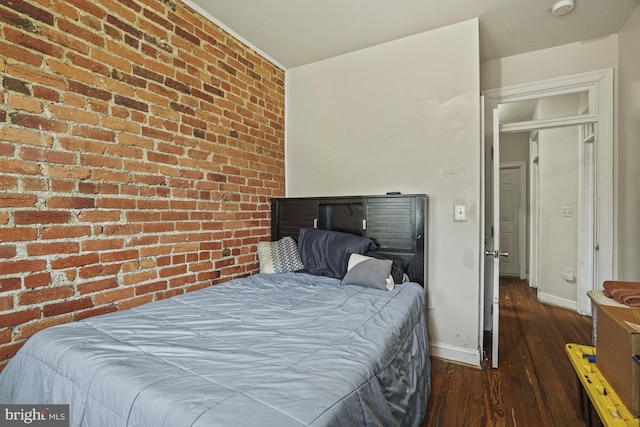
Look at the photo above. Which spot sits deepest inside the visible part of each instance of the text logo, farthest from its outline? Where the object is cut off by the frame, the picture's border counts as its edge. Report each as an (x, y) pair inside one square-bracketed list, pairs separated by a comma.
[(34, 415)]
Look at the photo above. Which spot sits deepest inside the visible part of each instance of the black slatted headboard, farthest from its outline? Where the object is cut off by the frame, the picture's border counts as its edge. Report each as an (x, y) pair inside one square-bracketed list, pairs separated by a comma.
[(397, 223)]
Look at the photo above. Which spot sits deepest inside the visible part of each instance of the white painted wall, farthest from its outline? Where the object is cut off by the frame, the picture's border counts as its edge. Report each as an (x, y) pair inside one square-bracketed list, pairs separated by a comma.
[(573, 58), (514, 147), (558, 179), (402, 116), (628, 170)]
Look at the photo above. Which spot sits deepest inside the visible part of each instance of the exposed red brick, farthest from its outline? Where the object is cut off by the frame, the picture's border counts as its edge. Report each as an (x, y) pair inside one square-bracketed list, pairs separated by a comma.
[(6, 304), (80, 315), (158, 19), (10, 284), (131, 103), (99, 215), (93, 133), (97, 286), (47, 294), (82, 33), (71, 202), (69, 306), (37, 280), (36, 249), (93, 271), (113, 295), (118, 256), (65, 232), (8, 17), (17, 200), (83, 89), (51, 156), (7, 351), (124, 26), (139, 141), (89, 6), (22, 266), (75, 261), (17, 317), (41, 217), (30, 42), (36, 122), (182, 281), (31, 328), (30, 10), (16, 85), (102, 245), (151, 287), (135, 302), (5, 335)]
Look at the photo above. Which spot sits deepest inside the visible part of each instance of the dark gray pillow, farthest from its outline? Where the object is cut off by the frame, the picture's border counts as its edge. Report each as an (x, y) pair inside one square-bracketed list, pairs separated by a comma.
[(369, 272), (326, 253), (400, 265)]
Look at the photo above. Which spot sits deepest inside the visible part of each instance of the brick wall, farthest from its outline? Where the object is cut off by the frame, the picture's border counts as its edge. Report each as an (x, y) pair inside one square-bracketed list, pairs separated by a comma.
[(139, 148)]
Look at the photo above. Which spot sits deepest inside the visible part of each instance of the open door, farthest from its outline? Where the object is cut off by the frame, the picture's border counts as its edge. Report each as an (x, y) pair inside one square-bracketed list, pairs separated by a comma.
[(492, 237)]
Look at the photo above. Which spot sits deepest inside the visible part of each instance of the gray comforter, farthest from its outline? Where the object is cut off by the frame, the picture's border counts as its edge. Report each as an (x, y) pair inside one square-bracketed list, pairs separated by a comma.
[(269, 350)]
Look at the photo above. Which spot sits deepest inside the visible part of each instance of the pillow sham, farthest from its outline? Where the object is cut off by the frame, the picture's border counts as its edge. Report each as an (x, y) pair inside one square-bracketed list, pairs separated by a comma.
[(326, 252), (370, 272), (280, 256), (399, 268)]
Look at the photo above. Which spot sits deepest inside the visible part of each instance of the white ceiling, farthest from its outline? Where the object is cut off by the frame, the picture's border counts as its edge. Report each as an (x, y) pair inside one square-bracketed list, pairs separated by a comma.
[(298, 32)]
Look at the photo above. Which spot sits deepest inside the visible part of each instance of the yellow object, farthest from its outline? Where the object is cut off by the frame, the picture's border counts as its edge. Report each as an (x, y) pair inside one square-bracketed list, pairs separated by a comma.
[(610, 409)]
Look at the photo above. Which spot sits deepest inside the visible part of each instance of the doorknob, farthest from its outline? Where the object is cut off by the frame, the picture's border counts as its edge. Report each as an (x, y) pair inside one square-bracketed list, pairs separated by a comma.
[(496, 254)]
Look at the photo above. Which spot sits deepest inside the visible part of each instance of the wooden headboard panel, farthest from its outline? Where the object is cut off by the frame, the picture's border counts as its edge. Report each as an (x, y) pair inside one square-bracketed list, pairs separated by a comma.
[(396, 223)]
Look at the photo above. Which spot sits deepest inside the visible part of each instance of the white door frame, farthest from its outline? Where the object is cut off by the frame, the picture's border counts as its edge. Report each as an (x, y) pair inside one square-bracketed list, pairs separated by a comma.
[(534, 223), (599, 85), (521, 168)]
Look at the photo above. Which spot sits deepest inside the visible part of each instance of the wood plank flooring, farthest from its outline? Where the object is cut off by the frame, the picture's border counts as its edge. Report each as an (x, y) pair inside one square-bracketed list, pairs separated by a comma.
[(534, 385)]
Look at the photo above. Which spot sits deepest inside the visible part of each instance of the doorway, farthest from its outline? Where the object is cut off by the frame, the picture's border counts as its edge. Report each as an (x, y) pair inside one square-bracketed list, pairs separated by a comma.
[(546, 192), (513, 216), (595, 90)]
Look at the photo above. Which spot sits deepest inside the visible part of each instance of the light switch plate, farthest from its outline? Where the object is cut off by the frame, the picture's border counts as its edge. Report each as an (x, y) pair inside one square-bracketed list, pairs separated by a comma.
[(459, 212)]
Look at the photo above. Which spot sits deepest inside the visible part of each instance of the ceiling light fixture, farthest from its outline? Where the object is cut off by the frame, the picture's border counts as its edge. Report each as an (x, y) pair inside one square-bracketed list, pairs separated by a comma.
[(562, 7)]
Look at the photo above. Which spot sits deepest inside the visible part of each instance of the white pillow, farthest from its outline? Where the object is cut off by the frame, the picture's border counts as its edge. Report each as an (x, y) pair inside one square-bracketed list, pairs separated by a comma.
[(370, 272)]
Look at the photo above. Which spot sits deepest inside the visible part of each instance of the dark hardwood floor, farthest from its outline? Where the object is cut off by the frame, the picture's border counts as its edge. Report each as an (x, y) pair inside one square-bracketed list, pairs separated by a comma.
[(534, 385)]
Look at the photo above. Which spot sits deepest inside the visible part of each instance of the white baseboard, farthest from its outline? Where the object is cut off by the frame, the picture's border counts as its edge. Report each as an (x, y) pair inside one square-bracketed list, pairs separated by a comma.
[(557, 301), (456, 354)]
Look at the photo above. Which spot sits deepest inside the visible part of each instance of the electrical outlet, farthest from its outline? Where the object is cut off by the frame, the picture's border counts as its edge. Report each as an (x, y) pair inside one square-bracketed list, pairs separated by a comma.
[(568, 275), (567, 211)]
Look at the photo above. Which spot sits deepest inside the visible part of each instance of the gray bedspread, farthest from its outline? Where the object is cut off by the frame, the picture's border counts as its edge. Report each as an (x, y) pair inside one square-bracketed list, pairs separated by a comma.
[(268, 350)]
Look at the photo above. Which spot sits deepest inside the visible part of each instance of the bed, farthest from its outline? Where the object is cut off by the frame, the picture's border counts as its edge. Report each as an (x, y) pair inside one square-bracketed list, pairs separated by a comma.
[(293, 348)]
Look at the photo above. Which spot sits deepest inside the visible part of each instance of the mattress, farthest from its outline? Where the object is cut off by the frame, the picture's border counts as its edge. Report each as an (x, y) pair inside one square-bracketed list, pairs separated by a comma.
[(287, 349)]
